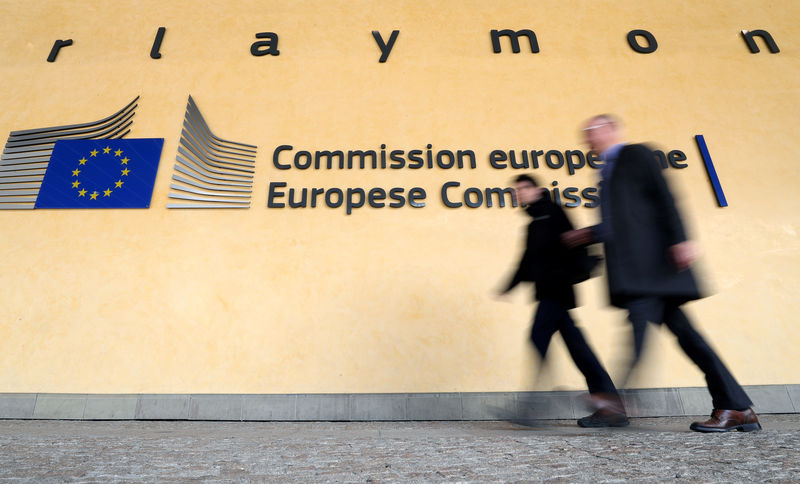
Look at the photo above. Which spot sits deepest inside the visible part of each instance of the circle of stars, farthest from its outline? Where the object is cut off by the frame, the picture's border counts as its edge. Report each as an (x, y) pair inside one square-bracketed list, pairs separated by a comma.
[(124, 171)]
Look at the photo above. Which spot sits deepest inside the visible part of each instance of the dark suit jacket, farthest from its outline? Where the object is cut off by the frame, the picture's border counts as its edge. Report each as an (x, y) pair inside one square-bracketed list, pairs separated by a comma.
[(644, 224), (546, 261)]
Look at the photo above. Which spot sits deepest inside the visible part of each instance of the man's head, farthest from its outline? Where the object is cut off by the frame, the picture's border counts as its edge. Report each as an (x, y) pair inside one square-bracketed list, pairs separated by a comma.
[(601, 132), (527, 189)]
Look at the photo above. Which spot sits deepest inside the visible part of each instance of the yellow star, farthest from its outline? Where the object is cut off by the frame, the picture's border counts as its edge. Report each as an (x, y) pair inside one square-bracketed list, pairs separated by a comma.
[(125, 172), (118, 183), (82, 161), (93, 195), (107, 192), (118, 153), (125, 160), (106, 150), (75, 172), (93, 152), (75, 184), (82, 192)]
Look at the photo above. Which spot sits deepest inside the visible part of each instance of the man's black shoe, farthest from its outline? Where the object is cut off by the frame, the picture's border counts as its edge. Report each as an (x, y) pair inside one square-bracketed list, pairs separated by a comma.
[(604, 418)]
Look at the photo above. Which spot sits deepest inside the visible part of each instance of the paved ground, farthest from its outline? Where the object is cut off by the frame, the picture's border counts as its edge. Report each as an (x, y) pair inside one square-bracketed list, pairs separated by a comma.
[(649, 450)]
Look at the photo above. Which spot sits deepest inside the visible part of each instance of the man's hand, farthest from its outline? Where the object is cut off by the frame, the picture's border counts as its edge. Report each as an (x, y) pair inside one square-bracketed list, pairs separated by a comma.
[(682, 255), (577, 238), (502, 297)]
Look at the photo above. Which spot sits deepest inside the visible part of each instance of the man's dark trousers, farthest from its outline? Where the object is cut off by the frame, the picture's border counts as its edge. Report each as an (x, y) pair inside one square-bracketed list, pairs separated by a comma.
[(552, 316), (725, 391)]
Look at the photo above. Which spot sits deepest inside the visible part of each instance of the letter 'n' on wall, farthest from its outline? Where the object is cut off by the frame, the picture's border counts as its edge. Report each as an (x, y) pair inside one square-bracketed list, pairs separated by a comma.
[(765, 36)]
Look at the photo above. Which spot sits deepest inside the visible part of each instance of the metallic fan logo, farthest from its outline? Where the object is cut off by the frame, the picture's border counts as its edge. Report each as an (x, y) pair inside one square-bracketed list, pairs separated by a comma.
[(27, 154), (210, 172)]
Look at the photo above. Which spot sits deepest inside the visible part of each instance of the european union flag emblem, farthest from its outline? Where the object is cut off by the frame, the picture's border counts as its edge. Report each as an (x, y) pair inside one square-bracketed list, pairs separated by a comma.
[(114, 173)]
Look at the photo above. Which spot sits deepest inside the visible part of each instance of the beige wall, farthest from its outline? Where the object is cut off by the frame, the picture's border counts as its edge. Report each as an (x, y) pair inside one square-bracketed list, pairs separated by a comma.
[(386, 300)]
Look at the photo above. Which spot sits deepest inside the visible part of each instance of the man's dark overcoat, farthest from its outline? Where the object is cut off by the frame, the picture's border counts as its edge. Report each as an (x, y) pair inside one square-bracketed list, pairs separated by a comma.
[(644, 224)]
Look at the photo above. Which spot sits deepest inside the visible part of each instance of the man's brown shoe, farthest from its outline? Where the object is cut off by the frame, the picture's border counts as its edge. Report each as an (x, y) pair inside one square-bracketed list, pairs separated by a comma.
[(727, 420)]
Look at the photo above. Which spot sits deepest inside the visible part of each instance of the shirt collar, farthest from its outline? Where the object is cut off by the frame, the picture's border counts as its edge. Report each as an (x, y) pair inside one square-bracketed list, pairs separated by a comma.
[(612, 153)]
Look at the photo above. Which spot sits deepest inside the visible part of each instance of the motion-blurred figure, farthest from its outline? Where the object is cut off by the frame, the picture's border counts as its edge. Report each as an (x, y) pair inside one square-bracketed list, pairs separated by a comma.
[(553, 269), (647, 261)]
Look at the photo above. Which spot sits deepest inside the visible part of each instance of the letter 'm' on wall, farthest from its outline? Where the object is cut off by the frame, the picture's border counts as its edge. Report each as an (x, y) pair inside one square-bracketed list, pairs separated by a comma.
[(514, 37), (765, 36)]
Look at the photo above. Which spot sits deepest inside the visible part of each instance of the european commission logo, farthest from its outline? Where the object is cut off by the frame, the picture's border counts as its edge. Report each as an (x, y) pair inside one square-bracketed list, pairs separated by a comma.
[(101, 174), (93, 165)]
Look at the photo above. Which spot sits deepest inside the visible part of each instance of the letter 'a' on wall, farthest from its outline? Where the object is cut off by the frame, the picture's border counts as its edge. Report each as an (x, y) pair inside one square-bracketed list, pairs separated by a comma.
[(265, 47)]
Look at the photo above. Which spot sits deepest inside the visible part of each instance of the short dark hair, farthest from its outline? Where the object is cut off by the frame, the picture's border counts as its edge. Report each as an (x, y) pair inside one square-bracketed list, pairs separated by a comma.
[(526, 178)]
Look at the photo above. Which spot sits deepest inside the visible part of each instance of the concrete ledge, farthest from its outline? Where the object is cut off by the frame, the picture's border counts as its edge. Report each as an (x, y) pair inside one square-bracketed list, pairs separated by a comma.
[(661, 402), (653, 402), (17, 405), (549, 405), (162, 407), (696, 401), (794, 396), (110, 407), (381, 406), (327, 407), (269, 407), (771, 398), (60, 406), (488, 406), (215, 407)]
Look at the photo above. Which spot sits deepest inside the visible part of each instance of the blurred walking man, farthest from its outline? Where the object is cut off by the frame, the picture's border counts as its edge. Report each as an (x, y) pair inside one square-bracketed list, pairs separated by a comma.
[(553, 269), (647, 260)]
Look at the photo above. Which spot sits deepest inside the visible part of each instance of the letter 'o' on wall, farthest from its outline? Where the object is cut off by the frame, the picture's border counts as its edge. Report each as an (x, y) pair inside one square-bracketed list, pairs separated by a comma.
[(633, 41)]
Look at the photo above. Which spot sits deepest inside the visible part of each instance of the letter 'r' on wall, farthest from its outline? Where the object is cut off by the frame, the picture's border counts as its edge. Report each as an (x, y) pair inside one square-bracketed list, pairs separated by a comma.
[(765, 36), (651, 46), (57, 45)]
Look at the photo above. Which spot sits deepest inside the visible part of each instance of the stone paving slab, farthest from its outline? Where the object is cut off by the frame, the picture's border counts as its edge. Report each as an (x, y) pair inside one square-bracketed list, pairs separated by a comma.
[(650, 449)]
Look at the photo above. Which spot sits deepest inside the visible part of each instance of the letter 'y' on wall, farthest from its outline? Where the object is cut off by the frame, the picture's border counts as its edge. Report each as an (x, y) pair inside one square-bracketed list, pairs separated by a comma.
[(386, 48)]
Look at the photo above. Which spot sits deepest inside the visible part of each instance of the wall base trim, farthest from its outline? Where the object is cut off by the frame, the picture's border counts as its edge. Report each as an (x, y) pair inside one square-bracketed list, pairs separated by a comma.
[(655, 402)]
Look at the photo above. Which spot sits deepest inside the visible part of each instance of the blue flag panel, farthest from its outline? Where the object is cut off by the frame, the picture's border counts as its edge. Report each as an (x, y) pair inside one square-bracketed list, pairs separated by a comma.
[(114, 173)]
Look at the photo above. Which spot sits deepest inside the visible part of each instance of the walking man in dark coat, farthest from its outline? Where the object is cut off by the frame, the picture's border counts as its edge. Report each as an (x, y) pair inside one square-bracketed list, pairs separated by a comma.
[(648, 258), (552, 268)]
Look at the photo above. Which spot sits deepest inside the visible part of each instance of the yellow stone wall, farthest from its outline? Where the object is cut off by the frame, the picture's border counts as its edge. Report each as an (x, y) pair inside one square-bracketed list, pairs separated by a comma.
[(387, 300)]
